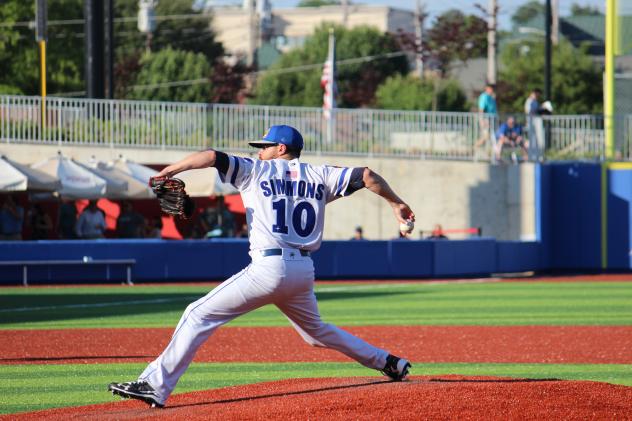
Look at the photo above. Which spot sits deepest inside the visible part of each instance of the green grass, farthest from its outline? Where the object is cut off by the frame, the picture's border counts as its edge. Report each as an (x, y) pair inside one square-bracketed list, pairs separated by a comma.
[(501, 303), (22, 387)]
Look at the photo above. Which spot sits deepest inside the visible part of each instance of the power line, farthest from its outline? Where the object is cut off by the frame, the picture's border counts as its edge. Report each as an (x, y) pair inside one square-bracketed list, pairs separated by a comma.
[(276, 71), (294, 69), (31, 23)]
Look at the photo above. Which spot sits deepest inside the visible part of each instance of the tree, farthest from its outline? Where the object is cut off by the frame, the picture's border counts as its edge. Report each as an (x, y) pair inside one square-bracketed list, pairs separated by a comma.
[(576, 84), (356, 82), (186, 29), (410, 93), (528, 11), (455, 36), (579, 10), (19, 54), (181, 29), (170, 65)]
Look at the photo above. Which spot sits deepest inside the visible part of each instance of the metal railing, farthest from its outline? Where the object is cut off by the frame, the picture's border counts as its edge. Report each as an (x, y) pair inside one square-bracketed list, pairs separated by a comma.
[(191, 126)]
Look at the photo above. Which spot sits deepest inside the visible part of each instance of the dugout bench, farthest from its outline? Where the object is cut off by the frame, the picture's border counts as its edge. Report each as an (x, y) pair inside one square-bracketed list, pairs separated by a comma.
[(128, 263)]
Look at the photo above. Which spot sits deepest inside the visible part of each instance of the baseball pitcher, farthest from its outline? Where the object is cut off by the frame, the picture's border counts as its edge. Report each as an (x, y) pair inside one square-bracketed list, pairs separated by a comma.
[(285, 209)]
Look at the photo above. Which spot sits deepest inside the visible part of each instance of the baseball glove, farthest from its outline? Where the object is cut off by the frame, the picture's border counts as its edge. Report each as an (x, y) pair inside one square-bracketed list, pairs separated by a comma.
[(172, 196)]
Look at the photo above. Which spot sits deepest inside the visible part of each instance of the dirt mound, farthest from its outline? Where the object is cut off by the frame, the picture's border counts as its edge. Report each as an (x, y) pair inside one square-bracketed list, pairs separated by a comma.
[(436, 397), (482, 344)]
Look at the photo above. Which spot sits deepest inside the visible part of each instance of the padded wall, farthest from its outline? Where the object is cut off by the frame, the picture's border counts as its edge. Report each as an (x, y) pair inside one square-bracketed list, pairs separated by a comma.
[(163, 260), (572, 233), (619, 217)]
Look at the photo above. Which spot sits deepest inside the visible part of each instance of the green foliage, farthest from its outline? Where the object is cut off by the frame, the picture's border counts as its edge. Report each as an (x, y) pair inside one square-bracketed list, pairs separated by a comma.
[(576, 85), (579, 10), (528, 11), (410, 93), (173, 65), (190, 34), (10, 90), (356, 82), (455, 35), (19, 53)]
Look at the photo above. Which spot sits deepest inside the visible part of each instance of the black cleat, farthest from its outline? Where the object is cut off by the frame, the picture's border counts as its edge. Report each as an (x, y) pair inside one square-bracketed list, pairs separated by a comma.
[(140, 390), (396, 368)]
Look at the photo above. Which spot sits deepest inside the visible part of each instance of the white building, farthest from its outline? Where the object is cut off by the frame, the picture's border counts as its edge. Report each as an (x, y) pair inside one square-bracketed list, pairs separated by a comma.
[(242, 29)]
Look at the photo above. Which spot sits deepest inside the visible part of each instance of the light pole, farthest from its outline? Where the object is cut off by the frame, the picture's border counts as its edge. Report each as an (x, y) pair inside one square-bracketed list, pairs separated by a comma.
[(147, 20)]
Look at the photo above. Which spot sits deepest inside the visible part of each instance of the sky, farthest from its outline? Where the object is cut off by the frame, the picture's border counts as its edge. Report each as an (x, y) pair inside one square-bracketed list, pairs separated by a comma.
[(434, 7)]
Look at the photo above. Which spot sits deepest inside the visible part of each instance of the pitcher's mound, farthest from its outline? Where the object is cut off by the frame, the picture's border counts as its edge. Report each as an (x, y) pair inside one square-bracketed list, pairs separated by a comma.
[(420, 397)]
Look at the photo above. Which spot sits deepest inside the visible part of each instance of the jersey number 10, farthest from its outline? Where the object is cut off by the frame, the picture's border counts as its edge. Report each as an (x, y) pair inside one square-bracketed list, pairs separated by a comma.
[(302, 208)]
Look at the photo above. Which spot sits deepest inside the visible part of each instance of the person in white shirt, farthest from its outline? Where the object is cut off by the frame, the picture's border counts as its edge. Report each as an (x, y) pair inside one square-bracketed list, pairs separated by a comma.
[(285, 209), (91, 222)]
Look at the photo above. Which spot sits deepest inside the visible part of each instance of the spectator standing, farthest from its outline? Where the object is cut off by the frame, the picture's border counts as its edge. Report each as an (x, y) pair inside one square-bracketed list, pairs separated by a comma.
[(67, 220), (41, 224), (153, 228), (11, 220), (129, 224), (487, 108), (437, 233), (91, 222), (510, 134), (217, 222), (532, 104), (532, 111)]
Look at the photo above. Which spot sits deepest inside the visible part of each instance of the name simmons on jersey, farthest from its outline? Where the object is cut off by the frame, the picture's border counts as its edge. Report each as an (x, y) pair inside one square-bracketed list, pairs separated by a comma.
[(293, 188)]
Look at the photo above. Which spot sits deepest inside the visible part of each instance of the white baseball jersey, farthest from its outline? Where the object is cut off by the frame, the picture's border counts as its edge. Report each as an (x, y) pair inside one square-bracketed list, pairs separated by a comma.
[(285, 200)]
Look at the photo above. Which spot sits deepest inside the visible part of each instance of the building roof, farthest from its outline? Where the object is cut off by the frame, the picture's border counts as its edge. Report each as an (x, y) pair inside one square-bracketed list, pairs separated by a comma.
[(582, 30)]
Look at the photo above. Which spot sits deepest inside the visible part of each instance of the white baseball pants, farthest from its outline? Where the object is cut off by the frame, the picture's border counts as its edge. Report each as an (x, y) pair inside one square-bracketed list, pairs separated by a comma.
[(286, 281)]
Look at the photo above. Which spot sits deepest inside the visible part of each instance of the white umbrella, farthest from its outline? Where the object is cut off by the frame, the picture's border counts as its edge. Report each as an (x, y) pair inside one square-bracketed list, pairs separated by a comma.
[(205, 182), (199, 183), (135, 189), (76, 181), (140, 172), (115, 188), (19, 177)]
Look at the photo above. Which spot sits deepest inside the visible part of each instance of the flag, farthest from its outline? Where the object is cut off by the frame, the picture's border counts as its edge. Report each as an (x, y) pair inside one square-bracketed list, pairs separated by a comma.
[(328, 79)]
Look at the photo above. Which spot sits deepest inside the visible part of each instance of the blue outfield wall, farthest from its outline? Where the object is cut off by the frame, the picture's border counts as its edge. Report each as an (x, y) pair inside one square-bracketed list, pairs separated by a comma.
[(163, 260), (618, 254)]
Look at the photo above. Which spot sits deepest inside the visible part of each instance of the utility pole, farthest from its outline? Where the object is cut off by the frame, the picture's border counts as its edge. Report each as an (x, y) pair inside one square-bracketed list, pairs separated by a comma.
[(345, 12), (252, 32), (555, 24), (147, 20), (547, 51), (93, 14), (41, 35), (420, 16), (109, 48), (492, 12)]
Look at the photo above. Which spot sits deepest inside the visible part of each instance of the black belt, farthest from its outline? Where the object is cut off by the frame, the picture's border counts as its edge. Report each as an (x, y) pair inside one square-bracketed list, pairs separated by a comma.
[(279, 252)]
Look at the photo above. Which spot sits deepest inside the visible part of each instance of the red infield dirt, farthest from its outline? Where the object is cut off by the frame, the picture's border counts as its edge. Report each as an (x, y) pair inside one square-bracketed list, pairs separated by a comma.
[(484, 344), (419, 398)]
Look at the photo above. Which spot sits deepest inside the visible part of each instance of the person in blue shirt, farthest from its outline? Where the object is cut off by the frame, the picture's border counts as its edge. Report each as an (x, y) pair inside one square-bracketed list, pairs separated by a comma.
[(11, 220), (510, 134), (486, 107)]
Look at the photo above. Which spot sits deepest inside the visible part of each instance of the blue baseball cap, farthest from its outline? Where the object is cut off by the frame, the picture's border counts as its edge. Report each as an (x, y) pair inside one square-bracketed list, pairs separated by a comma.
[(286, 135)]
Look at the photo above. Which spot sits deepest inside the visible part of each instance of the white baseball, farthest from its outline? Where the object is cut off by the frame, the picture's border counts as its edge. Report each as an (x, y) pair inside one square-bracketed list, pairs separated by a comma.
[(407, 227)]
